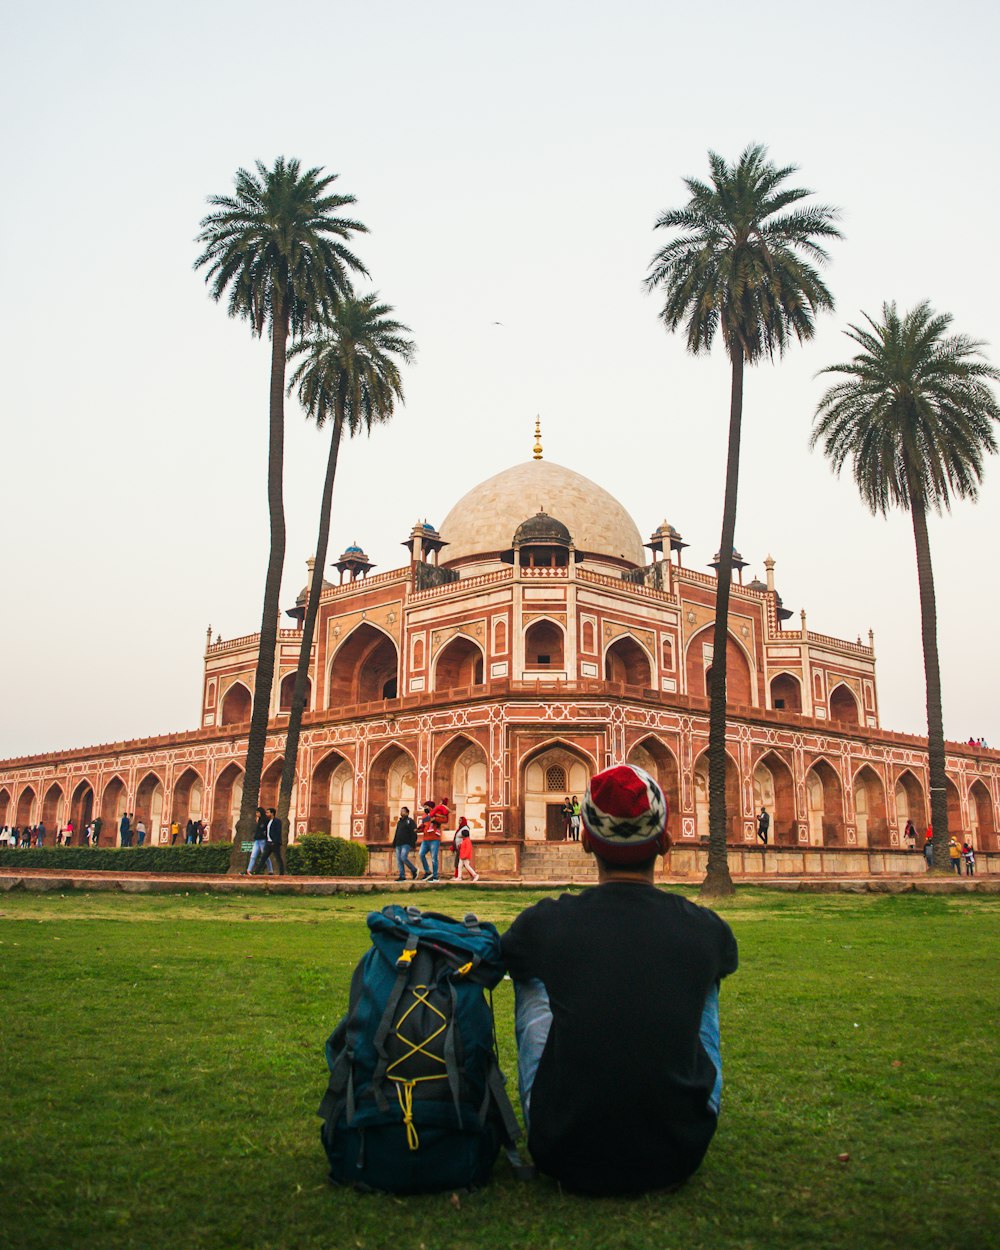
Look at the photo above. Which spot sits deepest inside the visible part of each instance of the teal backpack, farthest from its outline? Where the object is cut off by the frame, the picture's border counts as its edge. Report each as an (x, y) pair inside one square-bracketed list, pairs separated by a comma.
[(416, 1100)]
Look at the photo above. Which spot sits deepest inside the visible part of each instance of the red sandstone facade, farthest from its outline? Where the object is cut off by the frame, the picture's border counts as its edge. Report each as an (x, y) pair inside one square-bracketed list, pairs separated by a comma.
[(512, 656)]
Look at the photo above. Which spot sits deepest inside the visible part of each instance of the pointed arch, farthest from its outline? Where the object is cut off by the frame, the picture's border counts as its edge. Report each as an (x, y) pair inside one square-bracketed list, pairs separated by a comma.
[(545, 645), (392, 783), (227, 796), (660, 762), (956, 826), (81, 806), (627, 661), (844, 706), (4, 806), (908, 795), (542, 818), (461, 771), (189, 798), (982, 817), (287, 688), (364, 668), (25, 812), (459, 663), (331, 795), (870, 815), (825, 804), (786, 692), (774, 788), (237, 705), (114, 801), (53, 807), (734, 807), (741, 686)]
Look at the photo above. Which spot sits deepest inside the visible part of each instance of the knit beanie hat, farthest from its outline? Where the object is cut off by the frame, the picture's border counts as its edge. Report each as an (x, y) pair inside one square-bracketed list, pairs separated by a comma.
[(624, 813)]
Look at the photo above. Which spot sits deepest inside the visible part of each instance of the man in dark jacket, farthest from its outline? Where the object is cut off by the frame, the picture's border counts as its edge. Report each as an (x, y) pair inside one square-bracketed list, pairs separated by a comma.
[(617, 1008), (404, 840), (273, 846)]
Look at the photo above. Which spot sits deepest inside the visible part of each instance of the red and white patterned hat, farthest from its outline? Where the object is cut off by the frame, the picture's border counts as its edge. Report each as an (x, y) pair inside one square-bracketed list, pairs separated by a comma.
[(624, 813)]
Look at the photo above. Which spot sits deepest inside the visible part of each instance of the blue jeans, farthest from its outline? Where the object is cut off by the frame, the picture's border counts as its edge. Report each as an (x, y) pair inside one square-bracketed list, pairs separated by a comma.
[(256, 853), (142, 837), (533, 1019), (403, 862), (434, 846)]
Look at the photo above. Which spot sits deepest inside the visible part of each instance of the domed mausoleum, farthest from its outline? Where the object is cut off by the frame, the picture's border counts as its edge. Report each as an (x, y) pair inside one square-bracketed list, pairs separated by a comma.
[(531, 640)]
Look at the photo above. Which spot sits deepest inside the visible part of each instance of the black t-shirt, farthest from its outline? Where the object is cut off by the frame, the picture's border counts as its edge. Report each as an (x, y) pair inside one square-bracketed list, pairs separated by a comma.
[(620, 1101)]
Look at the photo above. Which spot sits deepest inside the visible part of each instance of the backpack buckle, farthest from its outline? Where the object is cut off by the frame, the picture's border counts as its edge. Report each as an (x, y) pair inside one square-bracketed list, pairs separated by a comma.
[(406, 957)]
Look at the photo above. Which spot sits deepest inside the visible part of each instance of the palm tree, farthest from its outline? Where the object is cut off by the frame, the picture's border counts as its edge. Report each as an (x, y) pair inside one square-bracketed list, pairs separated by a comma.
[(277, 246), (915, 415), (743, 262), (349, 371)]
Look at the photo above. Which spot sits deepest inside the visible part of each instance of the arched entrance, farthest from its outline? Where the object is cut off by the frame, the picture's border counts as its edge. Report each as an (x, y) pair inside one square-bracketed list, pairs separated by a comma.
[(956, 826), (625, 661), (26, 807), (548, 776), (114, 803), (786, 693), (909, 798), (870, 813), (189, 800), (237, 705), (844, 706), (331, 796), (4, 806), (460, 772), (149, 805), (544, 646), (825, 805), (774, 789), (81, 808), (659, 761), (459, 664), (734, 816), (392, 784), (739, 680), (287, 689), (226, 799), (53, 807), (365, 668), (981, 818)]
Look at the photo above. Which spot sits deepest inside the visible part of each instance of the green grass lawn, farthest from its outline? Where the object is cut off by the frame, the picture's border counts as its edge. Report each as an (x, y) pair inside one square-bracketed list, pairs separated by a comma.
[(161, 1059)]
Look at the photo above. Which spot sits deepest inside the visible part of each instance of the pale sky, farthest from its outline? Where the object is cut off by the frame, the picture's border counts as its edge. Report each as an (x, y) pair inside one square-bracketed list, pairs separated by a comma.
[(510, 162)]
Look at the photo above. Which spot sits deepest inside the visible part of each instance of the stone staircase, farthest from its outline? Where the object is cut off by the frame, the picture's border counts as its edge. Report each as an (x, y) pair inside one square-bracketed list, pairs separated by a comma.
[(556, 861)]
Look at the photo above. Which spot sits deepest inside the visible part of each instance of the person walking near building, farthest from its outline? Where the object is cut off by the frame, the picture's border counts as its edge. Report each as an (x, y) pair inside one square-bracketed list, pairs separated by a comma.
[(566, 812), (273, 844), (189, 832), (175, 830), (763, 825), (259, 843), (461, 833), (955, 854), (436, 818), (909, 836), (465, 851), (574, 820), (40, 834), (68, 836), (969, 855), (403, 841), (929, 847), (95, 831), (140, 828)]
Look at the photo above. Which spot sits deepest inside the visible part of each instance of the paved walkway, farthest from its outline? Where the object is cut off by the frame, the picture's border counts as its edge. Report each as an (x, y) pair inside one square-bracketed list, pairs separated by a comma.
[(56, 879)]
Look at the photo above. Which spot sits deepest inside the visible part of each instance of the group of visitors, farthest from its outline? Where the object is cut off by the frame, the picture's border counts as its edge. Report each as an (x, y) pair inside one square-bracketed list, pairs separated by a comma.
[(960, 855), (570, 813), (979, 742), (30, 835), (427, 834), (195, 832), (131, 832)]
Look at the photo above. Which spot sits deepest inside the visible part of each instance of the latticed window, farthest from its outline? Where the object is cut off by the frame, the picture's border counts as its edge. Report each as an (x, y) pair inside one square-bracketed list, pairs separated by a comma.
[(555, 778)]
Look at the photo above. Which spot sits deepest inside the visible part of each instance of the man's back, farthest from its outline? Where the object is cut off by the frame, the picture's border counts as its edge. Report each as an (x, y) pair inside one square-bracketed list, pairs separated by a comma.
[(620, 1102)]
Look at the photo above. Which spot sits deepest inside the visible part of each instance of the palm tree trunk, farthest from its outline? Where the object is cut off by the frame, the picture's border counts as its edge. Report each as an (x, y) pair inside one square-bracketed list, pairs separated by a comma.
[(264, 677), (309, 625), (718, 880), (932, 677)]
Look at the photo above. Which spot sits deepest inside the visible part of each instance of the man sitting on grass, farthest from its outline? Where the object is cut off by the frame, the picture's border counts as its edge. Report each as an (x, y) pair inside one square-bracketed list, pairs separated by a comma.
[(617, 1008)]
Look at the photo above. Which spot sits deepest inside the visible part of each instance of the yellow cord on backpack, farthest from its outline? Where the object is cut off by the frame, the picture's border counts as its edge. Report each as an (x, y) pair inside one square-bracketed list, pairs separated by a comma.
[(404, 1092)]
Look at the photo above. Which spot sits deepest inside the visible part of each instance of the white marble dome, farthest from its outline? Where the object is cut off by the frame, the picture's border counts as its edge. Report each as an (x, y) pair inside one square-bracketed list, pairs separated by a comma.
[(485, 519)]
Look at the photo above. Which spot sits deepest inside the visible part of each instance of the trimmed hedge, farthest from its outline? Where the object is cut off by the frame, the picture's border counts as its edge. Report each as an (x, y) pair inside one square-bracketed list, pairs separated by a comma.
[(320, 855), (210, 857)]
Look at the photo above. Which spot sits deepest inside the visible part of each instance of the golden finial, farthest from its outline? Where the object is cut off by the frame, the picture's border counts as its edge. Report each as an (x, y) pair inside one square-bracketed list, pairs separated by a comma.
[(538, 439)]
